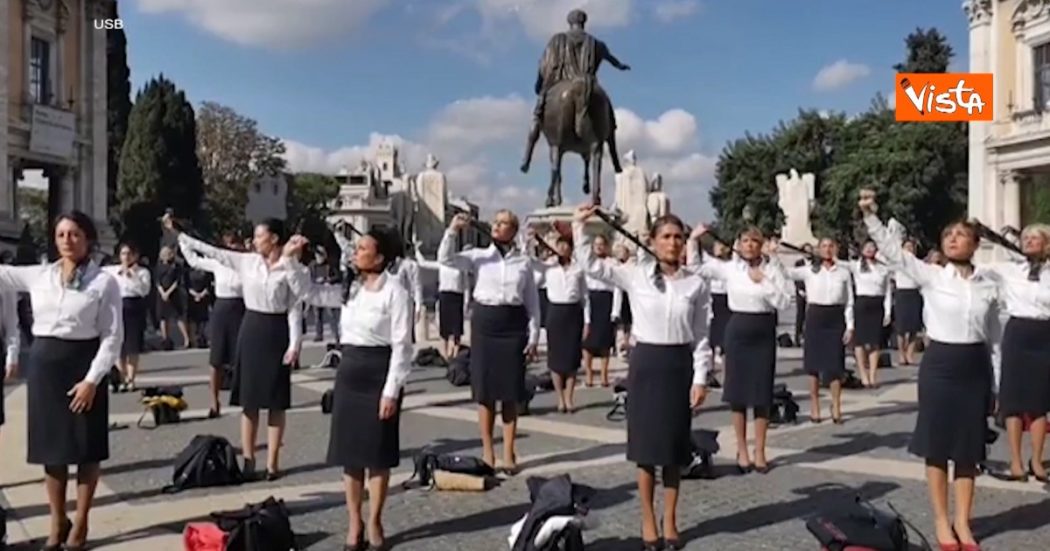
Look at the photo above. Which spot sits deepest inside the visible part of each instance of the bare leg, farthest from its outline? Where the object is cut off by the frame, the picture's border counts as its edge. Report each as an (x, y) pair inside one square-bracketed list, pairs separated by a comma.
[(862, 365), (937, 483), (249, 435), (873, 365), (672, 477), (588, 362), (913, 349), (836, 399), (131, 369), (646, 493), (761, 429), (87, 482), (902, 350), (509, 410), (1014, 432), (165, 328), (354, 484), (1038, 430), (743, 455), (605, 370), (184, 331), (276, 421), (559, 390), (963, 485), (570, 392), (814, 398), (378, 485), (215, 385), (486, 422), (55, 479)]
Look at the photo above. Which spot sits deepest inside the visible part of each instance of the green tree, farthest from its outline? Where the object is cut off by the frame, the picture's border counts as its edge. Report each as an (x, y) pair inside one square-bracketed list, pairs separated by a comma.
[(309, 197), (744, 172), (158, 164), (32, 208), (233, 154), (928, 52), (118, 104)]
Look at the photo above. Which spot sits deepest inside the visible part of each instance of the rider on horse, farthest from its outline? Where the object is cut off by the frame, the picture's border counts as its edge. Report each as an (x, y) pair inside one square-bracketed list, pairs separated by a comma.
[(572, 55)]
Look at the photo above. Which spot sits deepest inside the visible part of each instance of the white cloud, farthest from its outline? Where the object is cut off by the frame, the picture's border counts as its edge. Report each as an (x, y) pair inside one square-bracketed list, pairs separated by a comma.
[(541, 18), (467, 125), (674, 131), (670, 10), (271, 23), (839, 74)]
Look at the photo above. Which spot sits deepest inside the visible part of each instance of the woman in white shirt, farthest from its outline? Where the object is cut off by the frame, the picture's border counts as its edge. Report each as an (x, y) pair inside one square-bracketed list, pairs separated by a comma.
[(452, 300), (871, 310), (227, 314), (907, 312), (505, 326), (134, 281), (601, 337), (828, 324), (719, 305), (668, 367), (623, 315), (1024, 390), (955, 376), (376, 336), (77, 330), (269, 339), (568, 316), (757, 290)]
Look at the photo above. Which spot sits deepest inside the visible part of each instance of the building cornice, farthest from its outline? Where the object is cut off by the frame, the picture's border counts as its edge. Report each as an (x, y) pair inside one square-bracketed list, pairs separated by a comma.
[(1027, 11), (978, 12)]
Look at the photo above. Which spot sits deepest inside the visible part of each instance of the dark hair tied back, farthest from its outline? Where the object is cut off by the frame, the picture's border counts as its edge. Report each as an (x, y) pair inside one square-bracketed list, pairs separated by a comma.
[(388, 245), (275, 227), (664, 220)]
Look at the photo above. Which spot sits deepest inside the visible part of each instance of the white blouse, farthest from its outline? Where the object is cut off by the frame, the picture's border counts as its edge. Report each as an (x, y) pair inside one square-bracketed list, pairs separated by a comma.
[(744, 295), (380, 317), (227, 282), (1023, 298), (9, 326), (567, 285), (92, 311), (450, 280), (875, 282), (498, 280), (677, 314), (718, 287), (956, 309), (134, 283), (407, 272), (903, 282), (831, 286)]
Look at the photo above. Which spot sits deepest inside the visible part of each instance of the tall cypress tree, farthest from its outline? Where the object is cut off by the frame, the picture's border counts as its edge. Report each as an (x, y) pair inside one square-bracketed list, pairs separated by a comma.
[(118, 98), (159, 168)]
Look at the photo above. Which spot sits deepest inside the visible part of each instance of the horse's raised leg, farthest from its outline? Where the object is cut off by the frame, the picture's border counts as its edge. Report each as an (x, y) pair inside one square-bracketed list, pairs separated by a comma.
[(586, 173), (554, 191), (596, 170)]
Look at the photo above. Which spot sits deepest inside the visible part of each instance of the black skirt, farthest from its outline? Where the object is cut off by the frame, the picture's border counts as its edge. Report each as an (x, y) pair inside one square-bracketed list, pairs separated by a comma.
[(658, 414), (868, 315), (544, 304), (197, 311), (58, 436), (172, 309), (564, 338), (223, 331), (626, 317), (1025, 385), (955, 392), (602, 335), (751, 360), (907, 312), (261, 380), (824, 355), (358, 438), (134, 310), (450, 314), (497, 353), (719, 318)]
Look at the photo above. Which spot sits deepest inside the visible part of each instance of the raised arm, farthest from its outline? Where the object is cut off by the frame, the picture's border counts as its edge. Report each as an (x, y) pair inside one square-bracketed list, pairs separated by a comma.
[(200, 262), (606, 55), (426, 264), (18, 279), (706, 266), (895, 255), (613, 274), (110, 327), (447, 255), (9, 322), (400, 344)]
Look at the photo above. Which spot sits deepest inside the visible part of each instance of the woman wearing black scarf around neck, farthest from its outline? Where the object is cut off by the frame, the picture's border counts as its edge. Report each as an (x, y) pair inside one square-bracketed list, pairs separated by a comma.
[(505, 326), (568, 314)]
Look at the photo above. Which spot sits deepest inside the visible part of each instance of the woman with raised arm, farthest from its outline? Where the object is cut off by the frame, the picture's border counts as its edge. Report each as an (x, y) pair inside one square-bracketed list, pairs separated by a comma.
[(871, 310), (505, 326), (955, 376), (453, 296), (376, 336), (134, 281), (1024, 383), (601, 337), (907, 312), (78, 333), (568, 319), (268, 342), (667, 376), (226, 315), (757, 289), (828, 324), (720, 311)]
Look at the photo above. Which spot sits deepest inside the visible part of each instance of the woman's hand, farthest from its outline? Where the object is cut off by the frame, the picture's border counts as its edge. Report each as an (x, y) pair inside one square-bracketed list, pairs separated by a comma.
[(168, 222), (867, 204), (586, 331), (847, 337), (459, 222), (295, 245), (583, 212), (530, 352), (83, 394), (699, 231), (291, 356), (11, 373), (697, 395), (387, 408)]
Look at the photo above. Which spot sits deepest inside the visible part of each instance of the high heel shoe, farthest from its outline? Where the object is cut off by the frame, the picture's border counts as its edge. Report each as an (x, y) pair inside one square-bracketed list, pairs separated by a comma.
[(1044, 478), (651, 545), (743, 469), (63, 535), (673, 543), (965, 546)]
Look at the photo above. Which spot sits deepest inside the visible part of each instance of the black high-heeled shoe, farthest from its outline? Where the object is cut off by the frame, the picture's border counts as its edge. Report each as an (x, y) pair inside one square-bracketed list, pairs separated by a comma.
[(673, 544), (652, 545), (63, 535), (1044, 479)]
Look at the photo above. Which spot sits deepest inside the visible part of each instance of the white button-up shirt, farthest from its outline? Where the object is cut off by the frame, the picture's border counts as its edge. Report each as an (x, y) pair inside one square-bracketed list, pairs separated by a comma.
[(674, 315), (91, 311), (406, 271), (378, 317), (1023, 298), (227, 282), (567, 285), (744, 295), (874, 282), (831, 286), (498, 280), (450, 280), (134, 282), (9, 326), (903, 282)]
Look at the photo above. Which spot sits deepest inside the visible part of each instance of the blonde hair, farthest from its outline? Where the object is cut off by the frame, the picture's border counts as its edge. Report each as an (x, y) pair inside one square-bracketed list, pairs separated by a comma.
[(1042, 230), (511, 216)]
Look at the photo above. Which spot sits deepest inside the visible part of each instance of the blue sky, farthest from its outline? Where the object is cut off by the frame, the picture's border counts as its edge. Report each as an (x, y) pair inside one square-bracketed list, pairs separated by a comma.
[(455, 76)]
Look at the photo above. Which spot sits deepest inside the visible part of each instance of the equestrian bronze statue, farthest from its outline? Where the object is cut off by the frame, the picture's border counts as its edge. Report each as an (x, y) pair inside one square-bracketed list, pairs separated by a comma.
[(572, 110)]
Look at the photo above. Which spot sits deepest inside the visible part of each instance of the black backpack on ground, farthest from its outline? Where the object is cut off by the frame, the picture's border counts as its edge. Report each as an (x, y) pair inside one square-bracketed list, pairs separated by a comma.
[(327, 400), (261, 526), (430, 357), (618, 411), (851, 381), (859, 524), (427, 461), (705, 445), (458, 373), (164, 403), (785, 408), (207, 461), (784, 341)]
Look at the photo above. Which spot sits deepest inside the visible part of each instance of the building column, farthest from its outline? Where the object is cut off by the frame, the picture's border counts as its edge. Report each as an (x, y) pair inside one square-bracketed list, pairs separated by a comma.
[(8, 185), (979, 13), (95, 160), (1011, 181)]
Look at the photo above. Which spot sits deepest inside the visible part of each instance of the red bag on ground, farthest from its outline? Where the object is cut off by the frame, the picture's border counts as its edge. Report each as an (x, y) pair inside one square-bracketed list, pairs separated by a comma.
[(203, 536)]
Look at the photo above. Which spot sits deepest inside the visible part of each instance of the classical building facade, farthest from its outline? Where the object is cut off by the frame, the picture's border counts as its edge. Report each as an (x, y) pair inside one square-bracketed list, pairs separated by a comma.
[(268, 198), (53, 100), (1009, 176)]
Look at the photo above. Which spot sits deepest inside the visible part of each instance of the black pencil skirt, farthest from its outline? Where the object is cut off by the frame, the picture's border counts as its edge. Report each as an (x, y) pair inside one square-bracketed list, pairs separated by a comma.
[(358, 438), (544, 304), (626, 317), (173, 309), (719, 318), (955, 396), (58, 436), (602, 335), (1025, 385), (261, 380), (658, 416), (907, 312), (499, 337), (868, 315), (824, 354), (564, 338), (223, 331), (134, 311), (450, 314), (751, 360)]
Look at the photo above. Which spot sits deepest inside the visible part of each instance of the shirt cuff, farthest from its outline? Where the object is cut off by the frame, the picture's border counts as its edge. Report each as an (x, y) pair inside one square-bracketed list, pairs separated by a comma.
[(12, 355), (392, 388), (700, 374)]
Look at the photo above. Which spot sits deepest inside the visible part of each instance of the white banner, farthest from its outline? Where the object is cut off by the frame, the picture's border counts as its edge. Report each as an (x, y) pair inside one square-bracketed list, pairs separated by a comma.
[(53, 132)]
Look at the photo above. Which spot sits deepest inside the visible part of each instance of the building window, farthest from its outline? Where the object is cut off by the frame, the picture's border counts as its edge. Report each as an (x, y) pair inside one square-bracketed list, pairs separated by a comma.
[(40, 71), (1041, 54)]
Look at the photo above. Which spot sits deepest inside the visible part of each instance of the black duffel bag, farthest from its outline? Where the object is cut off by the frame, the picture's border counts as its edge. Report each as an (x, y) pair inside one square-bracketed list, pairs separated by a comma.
[(261, 526)]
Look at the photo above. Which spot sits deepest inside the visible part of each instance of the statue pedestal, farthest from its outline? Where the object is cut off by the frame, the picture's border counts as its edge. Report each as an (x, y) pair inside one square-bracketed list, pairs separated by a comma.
[(542, 221)]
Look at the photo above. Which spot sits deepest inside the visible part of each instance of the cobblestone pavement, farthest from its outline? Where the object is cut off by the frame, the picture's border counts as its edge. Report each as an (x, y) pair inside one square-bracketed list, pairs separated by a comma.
[(816, 467)]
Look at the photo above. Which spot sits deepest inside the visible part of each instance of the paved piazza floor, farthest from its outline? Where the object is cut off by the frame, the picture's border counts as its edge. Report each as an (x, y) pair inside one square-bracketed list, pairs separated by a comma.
[(815, 467)]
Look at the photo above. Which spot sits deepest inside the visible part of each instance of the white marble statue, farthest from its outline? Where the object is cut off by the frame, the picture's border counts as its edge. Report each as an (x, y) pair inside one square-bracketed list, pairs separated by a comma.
[(658, 204), (430, 194), (796, 194), (632, 191)]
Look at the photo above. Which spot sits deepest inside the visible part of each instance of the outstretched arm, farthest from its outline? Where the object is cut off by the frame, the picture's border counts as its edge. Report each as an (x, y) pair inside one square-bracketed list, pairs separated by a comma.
[(607, 55)]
